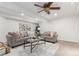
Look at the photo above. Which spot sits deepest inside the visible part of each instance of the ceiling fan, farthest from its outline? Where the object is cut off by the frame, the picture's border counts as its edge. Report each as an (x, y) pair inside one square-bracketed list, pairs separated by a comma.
[(47, 7)]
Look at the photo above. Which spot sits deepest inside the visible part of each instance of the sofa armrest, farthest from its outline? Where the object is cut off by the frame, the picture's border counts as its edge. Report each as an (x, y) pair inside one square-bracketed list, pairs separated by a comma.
[(10, 40)]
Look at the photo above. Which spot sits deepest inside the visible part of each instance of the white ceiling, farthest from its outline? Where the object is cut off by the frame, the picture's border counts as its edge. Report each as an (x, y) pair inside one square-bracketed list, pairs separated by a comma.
[(14, 9)]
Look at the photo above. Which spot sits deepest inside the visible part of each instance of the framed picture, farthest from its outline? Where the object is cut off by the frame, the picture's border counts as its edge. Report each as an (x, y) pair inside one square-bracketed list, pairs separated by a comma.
[(24, 27)]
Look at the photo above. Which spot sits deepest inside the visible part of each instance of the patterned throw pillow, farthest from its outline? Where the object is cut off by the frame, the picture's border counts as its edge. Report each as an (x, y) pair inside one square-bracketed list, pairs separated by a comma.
[(23, 34)]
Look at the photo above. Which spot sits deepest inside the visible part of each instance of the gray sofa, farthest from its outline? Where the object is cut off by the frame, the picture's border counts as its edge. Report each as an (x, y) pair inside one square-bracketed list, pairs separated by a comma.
[(14, 40), (50, 36)]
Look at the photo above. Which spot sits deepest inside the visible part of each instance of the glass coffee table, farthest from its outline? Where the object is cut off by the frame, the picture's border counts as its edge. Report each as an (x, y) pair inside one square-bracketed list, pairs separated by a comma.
[(33, 42)]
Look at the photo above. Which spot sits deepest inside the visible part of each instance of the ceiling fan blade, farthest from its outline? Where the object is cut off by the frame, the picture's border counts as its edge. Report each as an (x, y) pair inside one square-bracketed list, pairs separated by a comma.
[(54, 8), (49, 4), (40, 11), (45, 5), (38, 5)]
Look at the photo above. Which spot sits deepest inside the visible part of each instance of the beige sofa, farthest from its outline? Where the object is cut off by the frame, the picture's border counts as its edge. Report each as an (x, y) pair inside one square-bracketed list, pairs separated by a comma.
[(15, 39), (50, 36)]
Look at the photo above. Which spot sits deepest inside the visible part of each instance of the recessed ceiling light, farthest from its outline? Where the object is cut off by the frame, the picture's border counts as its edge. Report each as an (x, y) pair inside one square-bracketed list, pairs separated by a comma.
[(55, 14), (22, 14)]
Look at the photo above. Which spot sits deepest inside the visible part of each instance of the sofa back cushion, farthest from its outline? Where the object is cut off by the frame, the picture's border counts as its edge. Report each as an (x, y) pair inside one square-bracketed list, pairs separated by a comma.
[(14, 34), (23, 34), (50, 34), (46, 34)]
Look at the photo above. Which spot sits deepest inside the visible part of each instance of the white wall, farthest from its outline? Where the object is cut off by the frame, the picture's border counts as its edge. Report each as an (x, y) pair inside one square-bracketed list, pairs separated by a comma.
[(67, 28), (8, 25), (3, 29)]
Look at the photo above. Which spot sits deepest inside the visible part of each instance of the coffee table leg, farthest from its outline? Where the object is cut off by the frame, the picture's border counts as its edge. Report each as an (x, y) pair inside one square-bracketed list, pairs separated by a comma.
[(44, 40), (24, 44), (31, 47)]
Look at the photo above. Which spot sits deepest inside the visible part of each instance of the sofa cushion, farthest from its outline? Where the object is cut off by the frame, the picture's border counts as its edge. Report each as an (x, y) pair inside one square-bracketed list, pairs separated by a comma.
[(50, 34), (14, 34), (46, 34), (23, 34)]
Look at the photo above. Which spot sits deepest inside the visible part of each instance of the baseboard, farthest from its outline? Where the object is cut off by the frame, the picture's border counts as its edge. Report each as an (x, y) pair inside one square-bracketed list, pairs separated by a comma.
[(69, 41)]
